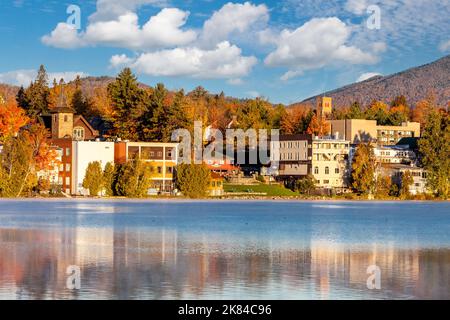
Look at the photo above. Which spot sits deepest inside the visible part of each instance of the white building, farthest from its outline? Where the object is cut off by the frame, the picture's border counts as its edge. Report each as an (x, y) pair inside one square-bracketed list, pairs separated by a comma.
[(397, 154), (85, 152)]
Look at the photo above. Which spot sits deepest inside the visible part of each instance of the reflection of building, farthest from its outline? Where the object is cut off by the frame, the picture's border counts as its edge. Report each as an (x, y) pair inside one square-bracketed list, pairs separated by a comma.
[(162, 157), (85, 152), (359, 130)]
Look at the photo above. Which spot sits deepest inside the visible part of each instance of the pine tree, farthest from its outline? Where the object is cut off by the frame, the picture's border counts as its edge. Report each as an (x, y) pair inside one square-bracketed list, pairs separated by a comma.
[(79, 103), (434, 147), (155, 117), (93, 179), (193, 180), (37, 95), (128, 102), (108, 179)]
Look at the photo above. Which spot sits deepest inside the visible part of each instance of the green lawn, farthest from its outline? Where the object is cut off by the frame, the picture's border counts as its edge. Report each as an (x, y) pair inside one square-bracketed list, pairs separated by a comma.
[(270, 190)]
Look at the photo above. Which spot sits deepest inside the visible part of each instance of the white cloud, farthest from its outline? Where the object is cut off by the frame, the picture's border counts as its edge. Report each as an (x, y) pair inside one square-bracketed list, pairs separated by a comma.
[(368, 75), (356, 6), (231, 18), (121, 60), (26, 76), (445, 46), (160, 31), (111, 9), (63, 36), (235, 82), (319, 42), (223, 62)]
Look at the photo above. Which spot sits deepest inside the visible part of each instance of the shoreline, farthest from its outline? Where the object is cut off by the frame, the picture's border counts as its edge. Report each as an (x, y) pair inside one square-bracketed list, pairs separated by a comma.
[(217, 199)]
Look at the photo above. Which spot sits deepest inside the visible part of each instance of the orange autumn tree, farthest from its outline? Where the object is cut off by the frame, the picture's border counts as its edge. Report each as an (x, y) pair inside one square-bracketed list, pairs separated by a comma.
[(12, 118), (318, 126), (25, 151), (292, 119)]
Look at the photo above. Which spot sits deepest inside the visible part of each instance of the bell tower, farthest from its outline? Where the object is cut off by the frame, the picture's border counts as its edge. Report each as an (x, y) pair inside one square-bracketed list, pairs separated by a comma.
[(324, 107), (62, 118)]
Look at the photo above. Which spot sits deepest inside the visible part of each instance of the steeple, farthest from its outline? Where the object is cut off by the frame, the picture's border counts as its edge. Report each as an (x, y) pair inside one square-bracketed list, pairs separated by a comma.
[(62, 117), (62, 106)]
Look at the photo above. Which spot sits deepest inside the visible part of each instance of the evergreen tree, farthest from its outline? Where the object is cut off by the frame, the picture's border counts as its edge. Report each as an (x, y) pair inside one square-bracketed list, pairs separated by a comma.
[(108, 179), (434, 148), (355, 111), (93, 179), (363, 169), (193, 180), (128, 101), (176, 117), (79, 103), (22, 99), (37, 95), (155, 117), (133, 179)]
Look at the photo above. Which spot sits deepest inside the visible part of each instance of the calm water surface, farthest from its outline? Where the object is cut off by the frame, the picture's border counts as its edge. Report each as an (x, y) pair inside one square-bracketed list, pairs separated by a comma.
[(224, 250)]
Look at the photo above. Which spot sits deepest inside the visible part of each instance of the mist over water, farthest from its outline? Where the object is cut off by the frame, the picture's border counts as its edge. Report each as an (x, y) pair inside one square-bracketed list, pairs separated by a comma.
[(224, 249)]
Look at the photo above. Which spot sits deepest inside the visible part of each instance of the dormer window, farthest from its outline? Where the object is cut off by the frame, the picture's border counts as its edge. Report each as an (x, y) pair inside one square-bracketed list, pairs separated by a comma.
[(78, 133)]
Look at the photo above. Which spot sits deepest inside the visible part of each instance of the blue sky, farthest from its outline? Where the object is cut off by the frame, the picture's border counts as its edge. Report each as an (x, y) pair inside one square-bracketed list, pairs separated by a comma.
[(284, 50)]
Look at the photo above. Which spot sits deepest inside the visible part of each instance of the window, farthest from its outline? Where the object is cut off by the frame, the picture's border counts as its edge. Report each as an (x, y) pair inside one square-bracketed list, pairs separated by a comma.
[(159, 170), (336, 170), (68, 167), (60, 181), (67, 181), (326, 181), (67, 152), (327, 170), (316, 170), (66, 119), (170, 170), (159, 154), (61, 168), (78, 133)]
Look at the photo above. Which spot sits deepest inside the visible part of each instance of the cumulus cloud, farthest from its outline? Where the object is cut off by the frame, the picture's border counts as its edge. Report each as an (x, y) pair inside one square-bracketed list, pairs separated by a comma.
[(225, 61), (112, 9), (25, 77), (121, 60), (319, 42), (161, 31), (356, 6), (367, 75), (231, 18), (445, 46)]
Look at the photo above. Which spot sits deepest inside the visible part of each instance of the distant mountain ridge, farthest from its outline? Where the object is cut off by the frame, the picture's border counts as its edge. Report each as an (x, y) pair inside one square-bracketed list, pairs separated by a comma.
[(415, 84)]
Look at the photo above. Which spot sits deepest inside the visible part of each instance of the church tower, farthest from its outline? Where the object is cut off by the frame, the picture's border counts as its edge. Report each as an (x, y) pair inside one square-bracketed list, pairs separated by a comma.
[(62, 118), (324, 107)]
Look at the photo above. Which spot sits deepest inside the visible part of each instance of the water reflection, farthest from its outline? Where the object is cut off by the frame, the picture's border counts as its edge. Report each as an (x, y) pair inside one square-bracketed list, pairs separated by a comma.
[(164, 260), (166, 264)]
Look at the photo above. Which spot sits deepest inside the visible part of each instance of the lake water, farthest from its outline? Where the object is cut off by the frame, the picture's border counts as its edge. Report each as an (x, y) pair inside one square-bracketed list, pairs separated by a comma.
[(224, 250)]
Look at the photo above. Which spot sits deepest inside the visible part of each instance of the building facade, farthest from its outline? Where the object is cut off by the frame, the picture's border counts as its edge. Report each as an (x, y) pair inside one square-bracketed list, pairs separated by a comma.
[(326, 159), (330, 162), (85, 152), (360, 130), (398, 154), (161, 157)]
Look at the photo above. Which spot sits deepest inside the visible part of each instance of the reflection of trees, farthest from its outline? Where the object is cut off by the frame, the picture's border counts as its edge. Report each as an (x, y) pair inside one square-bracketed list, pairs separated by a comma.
[(158, 264)]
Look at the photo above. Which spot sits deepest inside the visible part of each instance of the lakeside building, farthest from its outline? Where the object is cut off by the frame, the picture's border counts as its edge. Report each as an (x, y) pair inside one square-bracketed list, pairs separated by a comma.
[(360, 130), (398, 154), (162, 157), (326, 159), (85, 152), (65, 127), (396, 172)]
